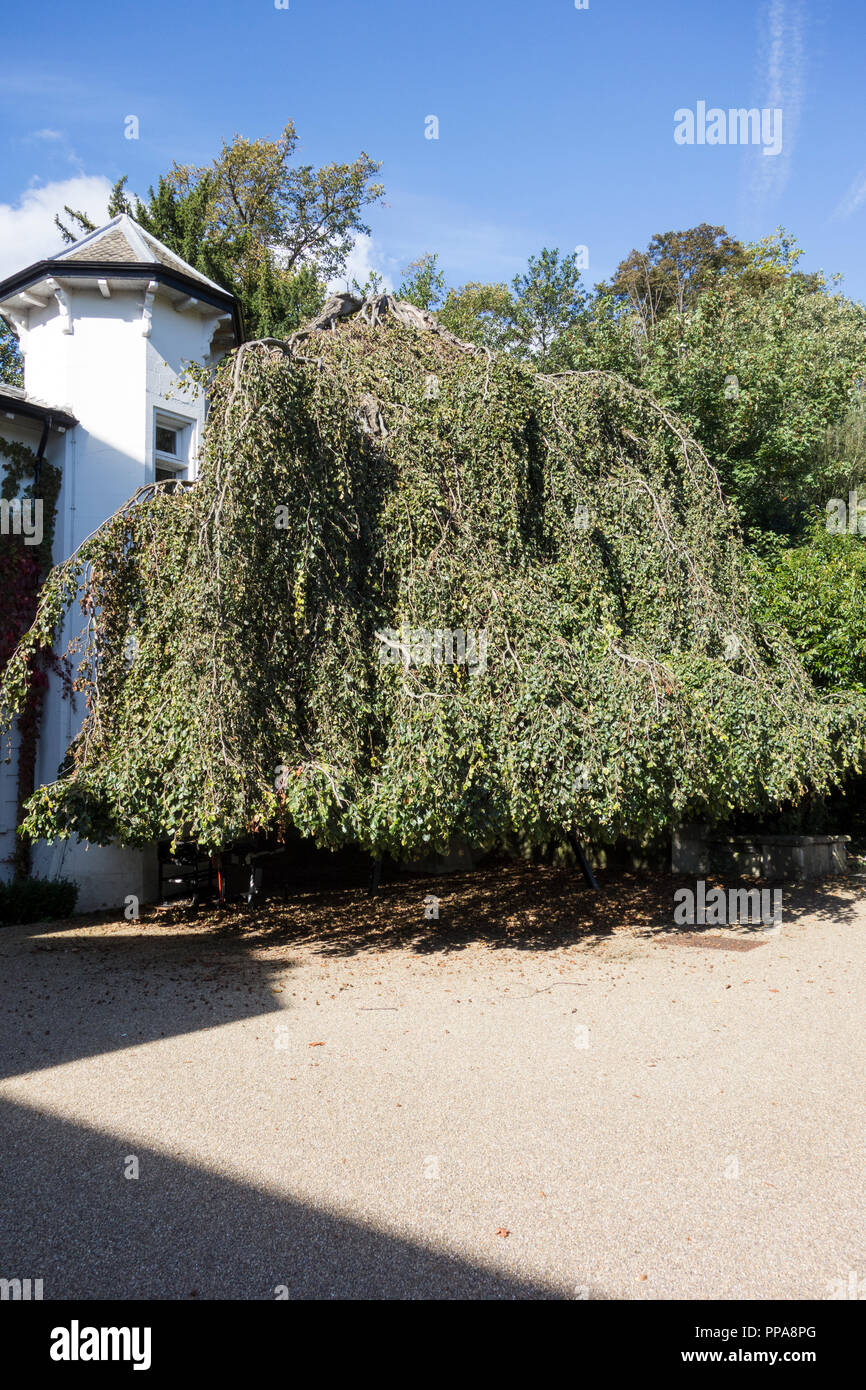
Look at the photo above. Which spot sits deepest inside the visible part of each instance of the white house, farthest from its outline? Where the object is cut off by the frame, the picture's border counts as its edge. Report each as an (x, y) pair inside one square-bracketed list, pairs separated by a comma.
[(106, 327)]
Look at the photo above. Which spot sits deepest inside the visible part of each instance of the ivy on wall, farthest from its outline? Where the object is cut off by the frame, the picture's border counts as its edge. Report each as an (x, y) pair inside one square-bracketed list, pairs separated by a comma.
[(23, 569)]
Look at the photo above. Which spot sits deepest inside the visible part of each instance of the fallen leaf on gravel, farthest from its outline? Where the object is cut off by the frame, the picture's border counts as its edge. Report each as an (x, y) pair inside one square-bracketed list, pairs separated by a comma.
[(321, 1044)]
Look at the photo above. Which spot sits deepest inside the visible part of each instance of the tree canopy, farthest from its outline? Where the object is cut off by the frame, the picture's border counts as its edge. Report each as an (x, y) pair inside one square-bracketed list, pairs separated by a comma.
[(269, 229), (675, 268), (422, 593), (703, 369), (423, 283), (764, 364)]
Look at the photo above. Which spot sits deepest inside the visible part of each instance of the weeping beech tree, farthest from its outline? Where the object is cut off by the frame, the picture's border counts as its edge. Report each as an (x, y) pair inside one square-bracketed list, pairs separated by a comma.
[(366, 487)]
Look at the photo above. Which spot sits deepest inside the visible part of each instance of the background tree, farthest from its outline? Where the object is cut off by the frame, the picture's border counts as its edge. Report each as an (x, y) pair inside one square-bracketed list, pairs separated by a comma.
[(257, 200), (675, 268), (763, 363), (773, 259), (423, 282), (373, 285), (816, 591), (118, 202), (269, 230), (548, 300), (482, 314)]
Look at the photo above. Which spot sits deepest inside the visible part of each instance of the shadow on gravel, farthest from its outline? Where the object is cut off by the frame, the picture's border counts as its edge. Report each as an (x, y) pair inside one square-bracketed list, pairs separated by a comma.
[(514, 906), (65, 994), (838, 900), (97, 985), (68, 1216), (833, 900)]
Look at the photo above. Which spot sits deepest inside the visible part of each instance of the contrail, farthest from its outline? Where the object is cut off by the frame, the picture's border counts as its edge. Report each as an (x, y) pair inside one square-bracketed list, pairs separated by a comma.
[(782, 49)]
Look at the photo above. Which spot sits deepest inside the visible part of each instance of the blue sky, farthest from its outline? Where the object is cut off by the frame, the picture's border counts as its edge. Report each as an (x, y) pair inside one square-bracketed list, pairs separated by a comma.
[(555, 124)]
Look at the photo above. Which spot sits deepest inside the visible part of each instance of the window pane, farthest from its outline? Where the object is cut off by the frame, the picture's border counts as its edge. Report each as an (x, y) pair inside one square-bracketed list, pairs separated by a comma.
[(166, 440)]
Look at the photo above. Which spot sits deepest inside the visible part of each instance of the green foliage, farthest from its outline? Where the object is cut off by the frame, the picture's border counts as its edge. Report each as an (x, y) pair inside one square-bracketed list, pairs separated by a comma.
[(773, 259), (265, 228), (22, 570), (817, 592), (276, 304), (81, 224), (480, 314), (18, 468), (674, 270), (36, 900), (758, 375), (527, 320), (271, 231), (180, 221), (373, 286), (840, 462), (118, 199), (11, 364), (423, 283), (232, 664), (548, 300), (274, 299), (257, 200)]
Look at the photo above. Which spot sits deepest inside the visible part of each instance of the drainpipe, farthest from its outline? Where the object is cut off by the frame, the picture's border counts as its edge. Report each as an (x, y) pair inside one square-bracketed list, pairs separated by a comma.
[(40, 452)]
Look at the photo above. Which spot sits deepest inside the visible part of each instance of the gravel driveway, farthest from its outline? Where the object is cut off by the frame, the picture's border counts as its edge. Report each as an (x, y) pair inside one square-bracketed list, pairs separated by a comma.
[(399, 1111)]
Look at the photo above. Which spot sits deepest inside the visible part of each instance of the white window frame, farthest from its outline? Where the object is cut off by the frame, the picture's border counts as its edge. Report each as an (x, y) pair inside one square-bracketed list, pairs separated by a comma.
[(179, 463)]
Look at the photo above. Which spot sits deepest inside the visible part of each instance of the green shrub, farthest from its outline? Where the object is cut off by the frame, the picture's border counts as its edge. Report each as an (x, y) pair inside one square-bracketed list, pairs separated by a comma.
[(817, 592), (34, 899)]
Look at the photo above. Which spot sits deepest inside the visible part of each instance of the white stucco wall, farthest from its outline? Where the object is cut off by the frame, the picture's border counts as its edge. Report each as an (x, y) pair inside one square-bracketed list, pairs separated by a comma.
[(113, 377)]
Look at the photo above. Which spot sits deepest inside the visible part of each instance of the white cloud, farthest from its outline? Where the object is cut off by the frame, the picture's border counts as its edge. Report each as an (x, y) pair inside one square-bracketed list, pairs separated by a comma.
[(782, 79), (853, 198), (27, 230), (363, 258)]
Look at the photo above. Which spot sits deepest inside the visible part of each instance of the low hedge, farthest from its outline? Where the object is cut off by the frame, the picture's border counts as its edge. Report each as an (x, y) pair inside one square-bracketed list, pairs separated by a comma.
[(35, 899)]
